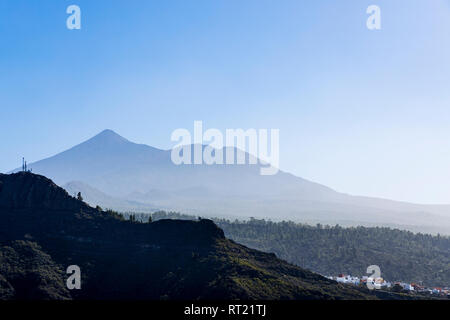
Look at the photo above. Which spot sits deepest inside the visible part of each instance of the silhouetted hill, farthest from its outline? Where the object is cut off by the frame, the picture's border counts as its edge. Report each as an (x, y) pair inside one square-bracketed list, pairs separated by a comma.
[(26, 190), (43, 230)]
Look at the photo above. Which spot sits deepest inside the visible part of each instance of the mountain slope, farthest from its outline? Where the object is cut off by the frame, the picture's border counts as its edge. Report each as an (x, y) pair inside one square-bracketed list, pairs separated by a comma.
[(145, 175), (95, 197), (124, 260), (29, 274)]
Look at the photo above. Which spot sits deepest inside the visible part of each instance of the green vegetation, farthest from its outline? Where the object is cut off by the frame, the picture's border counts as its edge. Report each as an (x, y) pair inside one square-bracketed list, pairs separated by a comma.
[(401, 255), (26, 272), (331, 250)]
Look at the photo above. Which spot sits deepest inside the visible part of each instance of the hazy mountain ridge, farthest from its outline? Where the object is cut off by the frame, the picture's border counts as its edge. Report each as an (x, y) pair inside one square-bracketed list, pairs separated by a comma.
[(133, 176), (95, 197)]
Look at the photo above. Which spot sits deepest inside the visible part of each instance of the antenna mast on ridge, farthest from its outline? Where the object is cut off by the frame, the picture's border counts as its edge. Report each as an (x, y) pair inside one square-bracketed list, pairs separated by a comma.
[(24, 165)]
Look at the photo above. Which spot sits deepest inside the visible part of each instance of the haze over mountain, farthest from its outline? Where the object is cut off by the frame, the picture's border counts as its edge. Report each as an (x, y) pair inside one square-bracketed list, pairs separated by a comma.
[(113, 172)]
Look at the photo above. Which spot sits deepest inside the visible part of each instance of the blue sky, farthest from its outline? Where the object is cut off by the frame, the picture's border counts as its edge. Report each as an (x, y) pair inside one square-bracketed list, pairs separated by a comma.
[(364, 112)]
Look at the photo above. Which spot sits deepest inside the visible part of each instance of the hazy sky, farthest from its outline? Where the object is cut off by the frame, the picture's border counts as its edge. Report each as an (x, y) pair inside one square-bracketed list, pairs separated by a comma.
[(364, 112)]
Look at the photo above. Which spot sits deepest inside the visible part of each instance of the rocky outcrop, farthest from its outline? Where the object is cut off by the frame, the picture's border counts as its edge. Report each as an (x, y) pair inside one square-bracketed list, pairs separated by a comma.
[(28, 190)]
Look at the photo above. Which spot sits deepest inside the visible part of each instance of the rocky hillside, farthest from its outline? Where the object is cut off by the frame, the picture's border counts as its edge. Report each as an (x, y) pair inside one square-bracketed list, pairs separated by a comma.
[(43, 230)]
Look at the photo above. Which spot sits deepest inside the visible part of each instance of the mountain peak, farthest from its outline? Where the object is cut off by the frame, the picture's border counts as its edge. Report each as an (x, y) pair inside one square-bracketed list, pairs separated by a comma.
[(108, 136), (108, 133)]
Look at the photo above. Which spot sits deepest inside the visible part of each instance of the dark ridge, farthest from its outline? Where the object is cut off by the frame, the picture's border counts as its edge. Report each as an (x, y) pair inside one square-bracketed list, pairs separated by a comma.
[(43, 230), (28, 190), (55, 211)]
